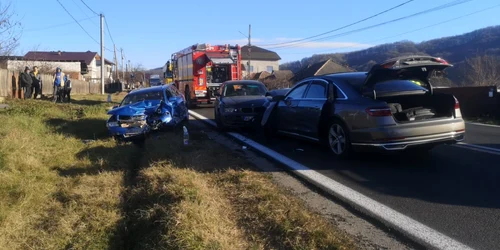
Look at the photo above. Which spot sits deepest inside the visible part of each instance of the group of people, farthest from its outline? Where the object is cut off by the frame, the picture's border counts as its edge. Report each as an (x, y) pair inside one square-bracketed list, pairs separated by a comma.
[(31, 83)]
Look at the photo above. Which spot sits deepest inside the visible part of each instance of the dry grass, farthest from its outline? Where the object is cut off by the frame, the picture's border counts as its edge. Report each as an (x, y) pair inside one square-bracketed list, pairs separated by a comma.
[(59, 192), (50, 197)]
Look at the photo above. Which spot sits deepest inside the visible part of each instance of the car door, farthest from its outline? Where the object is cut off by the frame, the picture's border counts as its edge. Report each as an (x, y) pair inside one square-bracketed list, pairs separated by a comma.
[(287, 109), (310, 107)]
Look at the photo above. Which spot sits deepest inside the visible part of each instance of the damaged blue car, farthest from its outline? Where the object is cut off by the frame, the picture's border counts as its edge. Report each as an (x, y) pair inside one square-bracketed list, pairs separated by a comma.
[(146, 110)]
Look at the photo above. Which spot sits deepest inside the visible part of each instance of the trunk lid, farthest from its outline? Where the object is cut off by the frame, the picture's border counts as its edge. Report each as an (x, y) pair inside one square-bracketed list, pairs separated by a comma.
[(405, 68)]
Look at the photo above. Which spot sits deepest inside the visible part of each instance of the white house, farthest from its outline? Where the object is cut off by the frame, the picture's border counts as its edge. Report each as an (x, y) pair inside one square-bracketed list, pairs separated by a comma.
[(260, 60)]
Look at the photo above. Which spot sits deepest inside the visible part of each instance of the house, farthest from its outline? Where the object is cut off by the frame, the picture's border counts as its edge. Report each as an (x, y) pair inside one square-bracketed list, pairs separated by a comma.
[(260, 60), (89, 62), (18, 63), (320, 68)]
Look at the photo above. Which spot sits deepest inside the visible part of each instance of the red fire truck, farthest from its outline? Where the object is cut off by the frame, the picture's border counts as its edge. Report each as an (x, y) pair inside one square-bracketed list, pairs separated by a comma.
[(199, 70)]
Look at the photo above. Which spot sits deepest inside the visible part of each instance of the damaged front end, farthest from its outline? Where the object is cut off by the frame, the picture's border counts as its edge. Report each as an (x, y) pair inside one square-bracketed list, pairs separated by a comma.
[(137, 120)]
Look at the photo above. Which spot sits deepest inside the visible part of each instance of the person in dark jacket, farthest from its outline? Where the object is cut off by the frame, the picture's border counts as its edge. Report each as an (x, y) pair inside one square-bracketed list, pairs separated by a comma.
[(37, 81), (67, 88), (58, 84), (26, 83)]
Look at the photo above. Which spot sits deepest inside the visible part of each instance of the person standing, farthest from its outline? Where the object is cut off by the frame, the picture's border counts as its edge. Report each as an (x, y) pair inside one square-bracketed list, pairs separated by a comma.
[(37, 80), (58, 84), (26, 83), (67, 88)]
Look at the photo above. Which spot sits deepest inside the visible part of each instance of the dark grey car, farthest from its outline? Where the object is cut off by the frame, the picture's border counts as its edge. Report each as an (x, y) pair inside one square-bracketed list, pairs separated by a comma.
[(240, 103), (392, 107)]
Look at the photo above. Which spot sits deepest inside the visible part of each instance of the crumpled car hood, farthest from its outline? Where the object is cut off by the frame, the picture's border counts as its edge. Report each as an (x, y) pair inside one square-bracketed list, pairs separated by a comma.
[(138, 108)]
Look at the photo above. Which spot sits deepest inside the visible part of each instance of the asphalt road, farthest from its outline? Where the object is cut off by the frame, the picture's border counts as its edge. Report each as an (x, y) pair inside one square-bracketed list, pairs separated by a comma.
[(454, 190)]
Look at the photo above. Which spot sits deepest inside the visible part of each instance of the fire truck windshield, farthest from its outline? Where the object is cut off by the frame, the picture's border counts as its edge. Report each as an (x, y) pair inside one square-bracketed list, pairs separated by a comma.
[(220, 74)]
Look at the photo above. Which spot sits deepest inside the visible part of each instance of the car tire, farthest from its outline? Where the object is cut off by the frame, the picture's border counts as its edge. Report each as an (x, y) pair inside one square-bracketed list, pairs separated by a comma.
[(338, 139)]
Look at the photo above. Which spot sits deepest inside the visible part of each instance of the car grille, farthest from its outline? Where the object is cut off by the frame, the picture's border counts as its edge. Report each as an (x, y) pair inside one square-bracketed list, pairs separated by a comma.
[(253, 110), (127, 121)]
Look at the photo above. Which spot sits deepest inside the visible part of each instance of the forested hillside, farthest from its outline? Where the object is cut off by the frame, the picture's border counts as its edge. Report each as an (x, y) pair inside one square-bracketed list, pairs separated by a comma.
[(458, 50)]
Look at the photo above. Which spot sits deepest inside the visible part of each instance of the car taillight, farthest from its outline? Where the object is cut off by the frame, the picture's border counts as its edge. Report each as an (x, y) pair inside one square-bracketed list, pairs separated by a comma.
[(379, 111), (458, 113), (457, 103)]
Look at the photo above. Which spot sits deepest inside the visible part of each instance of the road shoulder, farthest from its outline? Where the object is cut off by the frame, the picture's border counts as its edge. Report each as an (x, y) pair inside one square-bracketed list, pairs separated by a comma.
[(368, 235)]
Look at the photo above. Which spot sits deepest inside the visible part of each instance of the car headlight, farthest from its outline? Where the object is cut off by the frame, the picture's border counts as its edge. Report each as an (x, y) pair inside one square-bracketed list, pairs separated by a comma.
[(113, 124), (158, 110), (230, 110)]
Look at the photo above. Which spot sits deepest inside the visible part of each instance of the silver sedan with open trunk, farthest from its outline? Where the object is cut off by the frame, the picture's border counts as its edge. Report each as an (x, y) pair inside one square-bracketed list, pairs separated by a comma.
[(392, 107)]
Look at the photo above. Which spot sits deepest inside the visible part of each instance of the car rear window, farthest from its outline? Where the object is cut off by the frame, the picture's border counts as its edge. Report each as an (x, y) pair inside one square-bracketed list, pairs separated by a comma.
[(399, 86)]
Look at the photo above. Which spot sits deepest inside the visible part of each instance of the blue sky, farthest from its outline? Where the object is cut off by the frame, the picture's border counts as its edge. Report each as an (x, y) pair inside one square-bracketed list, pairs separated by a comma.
[(149, 31)]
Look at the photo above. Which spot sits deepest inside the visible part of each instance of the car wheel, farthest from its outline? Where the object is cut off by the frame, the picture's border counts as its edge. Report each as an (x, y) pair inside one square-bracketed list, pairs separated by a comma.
[(338, 139)]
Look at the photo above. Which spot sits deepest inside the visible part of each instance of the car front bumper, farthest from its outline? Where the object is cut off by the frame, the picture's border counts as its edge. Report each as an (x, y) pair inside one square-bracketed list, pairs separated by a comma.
[(241, 119)]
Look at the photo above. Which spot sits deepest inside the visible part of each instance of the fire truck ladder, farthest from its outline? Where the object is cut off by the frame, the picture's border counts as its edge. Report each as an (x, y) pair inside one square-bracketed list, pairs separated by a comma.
[(234, 70)]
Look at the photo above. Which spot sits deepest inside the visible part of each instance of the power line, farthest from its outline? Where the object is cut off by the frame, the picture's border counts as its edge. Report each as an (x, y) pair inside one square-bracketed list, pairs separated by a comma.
[(411, 31), (81, 25), (109, 32), (77, 21), (83, 11), (89, 8), (444, 6), (328, 32), (57, 25)]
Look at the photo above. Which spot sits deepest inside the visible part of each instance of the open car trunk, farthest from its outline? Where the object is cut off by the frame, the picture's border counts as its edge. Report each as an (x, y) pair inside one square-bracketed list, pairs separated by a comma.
[(413, 108)]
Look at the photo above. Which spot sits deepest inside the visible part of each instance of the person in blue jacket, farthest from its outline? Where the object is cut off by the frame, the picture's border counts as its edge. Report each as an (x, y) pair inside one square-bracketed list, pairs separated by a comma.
[(59, 79)]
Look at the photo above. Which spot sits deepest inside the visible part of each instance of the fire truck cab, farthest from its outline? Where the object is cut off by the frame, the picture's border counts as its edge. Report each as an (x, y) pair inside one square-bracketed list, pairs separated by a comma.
[(199, 70)]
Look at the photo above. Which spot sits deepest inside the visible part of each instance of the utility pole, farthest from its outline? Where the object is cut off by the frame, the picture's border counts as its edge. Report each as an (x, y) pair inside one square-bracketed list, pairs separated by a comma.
[(249, 48), (123, 65), (103, 64), (116, 62)]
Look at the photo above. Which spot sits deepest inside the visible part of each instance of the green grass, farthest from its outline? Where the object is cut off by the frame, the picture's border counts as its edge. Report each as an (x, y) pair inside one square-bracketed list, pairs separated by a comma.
[(60, 191)]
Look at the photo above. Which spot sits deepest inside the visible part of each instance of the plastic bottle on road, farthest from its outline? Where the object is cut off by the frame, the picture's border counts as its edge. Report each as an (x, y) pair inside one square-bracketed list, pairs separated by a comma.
[(185, 135)]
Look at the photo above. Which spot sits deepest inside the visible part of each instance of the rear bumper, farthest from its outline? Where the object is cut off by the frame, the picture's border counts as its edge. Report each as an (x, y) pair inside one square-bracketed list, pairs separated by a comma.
[(428, 140)]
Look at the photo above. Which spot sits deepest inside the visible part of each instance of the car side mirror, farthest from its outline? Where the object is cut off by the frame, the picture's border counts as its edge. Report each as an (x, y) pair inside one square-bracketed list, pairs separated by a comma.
[(278, 98), (268, 93)]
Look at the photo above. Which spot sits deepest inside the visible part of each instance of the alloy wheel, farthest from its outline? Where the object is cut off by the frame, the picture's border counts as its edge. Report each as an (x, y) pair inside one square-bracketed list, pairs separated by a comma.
[(337, 139)]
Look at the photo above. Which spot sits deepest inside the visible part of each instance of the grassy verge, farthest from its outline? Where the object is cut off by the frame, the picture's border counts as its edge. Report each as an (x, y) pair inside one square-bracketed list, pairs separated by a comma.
[(54, 193), (61, 191)]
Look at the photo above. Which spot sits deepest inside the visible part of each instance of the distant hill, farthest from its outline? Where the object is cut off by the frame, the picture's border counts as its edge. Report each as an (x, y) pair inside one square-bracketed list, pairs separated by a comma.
[(454, 49)]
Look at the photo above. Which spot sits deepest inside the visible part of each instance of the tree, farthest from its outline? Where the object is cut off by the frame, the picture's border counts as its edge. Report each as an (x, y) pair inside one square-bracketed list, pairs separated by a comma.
[(10, 30), (483, 70)]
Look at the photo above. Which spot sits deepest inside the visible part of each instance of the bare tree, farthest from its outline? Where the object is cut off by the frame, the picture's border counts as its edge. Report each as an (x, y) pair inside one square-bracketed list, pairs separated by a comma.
[(483, 70), (10, 30)]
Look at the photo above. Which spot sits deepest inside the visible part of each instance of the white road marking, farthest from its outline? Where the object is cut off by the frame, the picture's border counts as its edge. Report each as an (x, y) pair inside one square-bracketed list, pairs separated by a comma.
[(404, 224), (489, 150), (482, 124)]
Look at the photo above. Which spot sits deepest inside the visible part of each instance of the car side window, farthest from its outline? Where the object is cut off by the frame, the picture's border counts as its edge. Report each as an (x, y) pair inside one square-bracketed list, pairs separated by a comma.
[(299, 91), (317, 90), (340, 94)]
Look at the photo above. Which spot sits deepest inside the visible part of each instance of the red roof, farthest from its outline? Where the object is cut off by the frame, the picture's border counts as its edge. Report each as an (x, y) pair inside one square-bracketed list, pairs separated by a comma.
[(63, 56)]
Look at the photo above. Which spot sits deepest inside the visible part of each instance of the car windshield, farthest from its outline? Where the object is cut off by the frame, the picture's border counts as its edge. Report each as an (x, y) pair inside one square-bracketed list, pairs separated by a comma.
[(142, 96), (244, 90)]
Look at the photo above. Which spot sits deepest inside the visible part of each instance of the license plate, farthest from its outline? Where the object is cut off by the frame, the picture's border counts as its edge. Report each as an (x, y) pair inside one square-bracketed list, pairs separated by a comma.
[(247, 118), (134, 131)]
